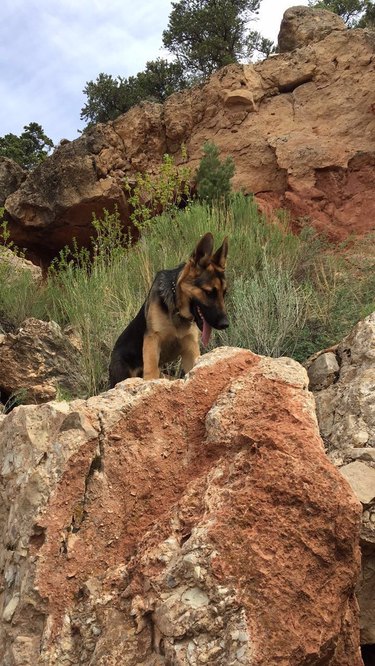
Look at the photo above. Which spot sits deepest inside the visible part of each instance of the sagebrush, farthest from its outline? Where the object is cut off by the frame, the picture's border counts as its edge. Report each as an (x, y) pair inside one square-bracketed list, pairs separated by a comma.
[(287, 294)]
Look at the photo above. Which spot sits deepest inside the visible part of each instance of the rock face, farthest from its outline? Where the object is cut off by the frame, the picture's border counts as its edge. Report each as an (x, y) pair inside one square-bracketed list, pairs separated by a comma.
[(58, 199), (346, 409), (300, 127), (11, 177), (37, 362), (301, 26), (346, 415), (189, 522)]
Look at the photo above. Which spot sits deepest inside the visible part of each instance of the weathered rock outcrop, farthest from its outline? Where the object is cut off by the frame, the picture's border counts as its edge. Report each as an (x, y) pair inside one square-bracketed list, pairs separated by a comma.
[(11, 177), (300, 127), (345, 401), (38, 362), (301, 26), (189, 522), (346, 407)]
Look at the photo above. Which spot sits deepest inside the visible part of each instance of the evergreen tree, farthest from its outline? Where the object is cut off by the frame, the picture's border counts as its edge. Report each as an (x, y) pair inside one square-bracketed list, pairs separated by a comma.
[(207, 34), (356, 13), (213, 176), (108, 97), (28, 149)]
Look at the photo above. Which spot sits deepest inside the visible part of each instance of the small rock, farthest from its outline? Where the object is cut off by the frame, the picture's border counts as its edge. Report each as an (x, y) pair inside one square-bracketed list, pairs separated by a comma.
[(10, 608), (361, 453), (195, 598), (323, 371), (362, 480)]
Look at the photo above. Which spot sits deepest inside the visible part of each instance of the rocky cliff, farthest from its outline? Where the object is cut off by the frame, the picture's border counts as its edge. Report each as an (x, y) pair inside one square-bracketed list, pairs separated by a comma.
[(299, 125), (193, 522)]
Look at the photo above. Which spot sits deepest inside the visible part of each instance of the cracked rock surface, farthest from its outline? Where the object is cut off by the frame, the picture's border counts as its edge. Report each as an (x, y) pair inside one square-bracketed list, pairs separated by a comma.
[(37, 361), (346, 415), (299, 125), (178, 523)]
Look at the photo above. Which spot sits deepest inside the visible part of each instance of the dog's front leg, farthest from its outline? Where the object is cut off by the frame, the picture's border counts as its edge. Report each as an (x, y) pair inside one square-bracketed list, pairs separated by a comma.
[(151, 355), (189, 353)]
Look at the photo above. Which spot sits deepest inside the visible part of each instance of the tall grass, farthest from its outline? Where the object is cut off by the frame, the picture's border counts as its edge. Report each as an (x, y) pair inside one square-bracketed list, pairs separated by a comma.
[(19, 298), (286, 294)]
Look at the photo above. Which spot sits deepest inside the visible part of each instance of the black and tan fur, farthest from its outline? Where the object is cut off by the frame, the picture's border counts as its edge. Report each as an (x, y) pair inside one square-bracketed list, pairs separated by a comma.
[(180, 302)]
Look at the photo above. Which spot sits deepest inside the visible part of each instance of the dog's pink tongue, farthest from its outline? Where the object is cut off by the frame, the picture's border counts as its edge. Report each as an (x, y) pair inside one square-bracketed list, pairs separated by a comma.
[(206, 333)]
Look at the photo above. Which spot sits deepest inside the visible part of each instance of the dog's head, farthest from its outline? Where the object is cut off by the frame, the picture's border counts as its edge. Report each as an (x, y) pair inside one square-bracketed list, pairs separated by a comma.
[(201, 287)]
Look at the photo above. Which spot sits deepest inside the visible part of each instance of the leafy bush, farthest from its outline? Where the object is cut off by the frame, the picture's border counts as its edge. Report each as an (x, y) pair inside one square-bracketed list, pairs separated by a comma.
[(150, 195), (18, 295), (109, 97)]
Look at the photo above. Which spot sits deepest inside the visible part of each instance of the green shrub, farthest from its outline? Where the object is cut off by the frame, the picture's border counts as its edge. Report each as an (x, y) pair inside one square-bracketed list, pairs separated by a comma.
[(267, 313), (213, 176), (149, 195)]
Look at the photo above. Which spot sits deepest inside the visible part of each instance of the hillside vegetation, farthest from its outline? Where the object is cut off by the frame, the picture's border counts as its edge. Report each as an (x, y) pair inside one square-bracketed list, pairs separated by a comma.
[(288, 295)]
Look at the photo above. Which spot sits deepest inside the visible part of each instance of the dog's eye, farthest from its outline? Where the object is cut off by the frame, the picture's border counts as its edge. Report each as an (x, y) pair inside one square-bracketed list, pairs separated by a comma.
[(211, 293)]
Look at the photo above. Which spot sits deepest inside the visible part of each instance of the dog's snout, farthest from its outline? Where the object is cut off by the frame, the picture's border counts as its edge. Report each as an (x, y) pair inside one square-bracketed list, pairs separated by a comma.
[(222, 323)]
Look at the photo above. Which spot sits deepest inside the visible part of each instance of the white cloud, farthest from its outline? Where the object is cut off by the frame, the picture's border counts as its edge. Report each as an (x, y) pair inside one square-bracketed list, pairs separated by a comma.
[(271, 14), (49, 49)]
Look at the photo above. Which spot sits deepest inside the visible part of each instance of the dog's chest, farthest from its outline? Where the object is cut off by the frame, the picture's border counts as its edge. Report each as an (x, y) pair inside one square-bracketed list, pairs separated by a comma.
[(174, 334)]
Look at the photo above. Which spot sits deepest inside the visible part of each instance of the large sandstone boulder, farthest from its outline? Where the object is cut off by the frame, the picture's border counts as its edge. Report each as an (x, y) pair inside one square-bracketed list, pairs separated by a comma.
[(299, 125), (38, 362), (11, 177), (345, 402), (58, 199), (301, 26), (189, 522)]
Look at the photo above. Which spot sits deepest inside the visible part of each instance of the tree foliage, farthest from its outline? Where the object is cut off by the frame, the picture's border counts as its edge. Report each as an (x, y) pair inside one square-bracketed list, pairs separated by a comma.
[(367, 19), (355, 13), (160, 79), (149, 194), (213, 176), (28, 149), (259, 44), (109, 97), (207, 34)]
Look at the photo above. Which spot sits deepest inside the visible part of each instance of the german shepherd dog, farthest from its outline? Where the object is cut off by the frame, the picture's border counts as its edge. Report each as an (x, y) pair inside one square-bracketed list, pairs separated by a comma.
[(181, 302)]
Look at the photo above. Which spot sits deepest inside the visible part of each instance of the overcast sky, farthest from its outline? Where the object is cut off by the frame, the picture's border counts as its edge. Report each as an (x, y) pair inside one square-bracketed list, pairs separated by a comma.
[(49, 49)]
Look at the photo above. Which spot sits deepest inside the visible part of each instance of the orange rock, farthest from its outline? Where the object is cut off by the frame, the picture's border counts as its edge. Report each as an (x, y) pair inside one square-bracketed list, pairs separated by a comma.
[(187, 522)]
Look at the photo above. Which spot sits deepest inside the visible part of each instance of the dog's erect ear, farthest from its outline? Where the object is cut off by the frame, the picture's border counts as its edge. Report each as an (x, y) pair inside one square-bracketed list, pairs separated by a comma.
[(220, 256), (203, 251)]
